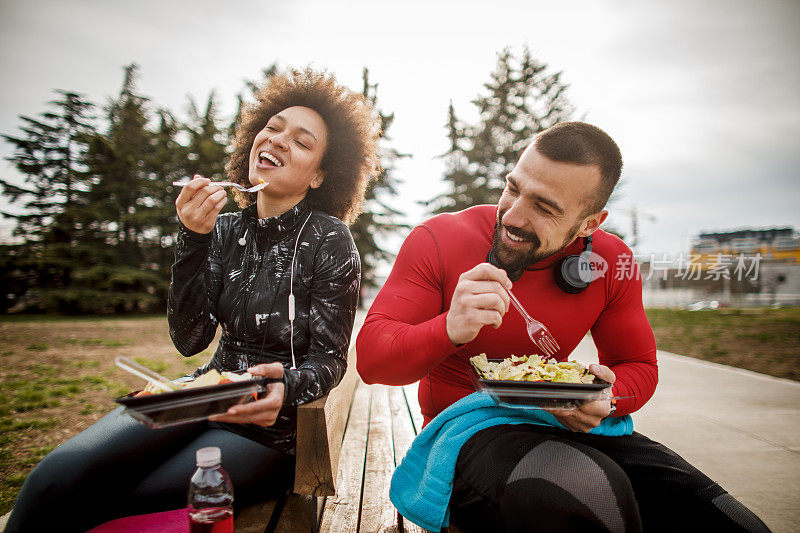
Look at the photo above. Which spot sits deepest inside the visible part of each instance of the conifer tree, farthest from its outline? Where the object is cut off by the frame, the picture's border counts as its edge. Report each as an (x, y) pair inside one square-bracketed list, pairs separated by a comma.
[(50, 156), (207, 148), (168, 164), (208, 145), (125, 202), (378, 219), (521, 98)]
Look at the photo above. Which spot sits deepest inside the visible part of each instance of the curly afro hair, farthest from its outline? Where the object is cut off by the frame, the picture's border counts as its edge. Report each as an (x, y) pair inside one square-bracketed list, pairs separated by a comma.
[(350, 160)]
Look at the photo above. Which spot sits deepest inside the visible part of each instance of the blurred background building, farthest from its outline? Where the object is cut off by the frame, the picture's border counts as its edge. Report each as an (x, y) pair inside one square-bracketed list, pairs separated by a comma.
[(737, 268)]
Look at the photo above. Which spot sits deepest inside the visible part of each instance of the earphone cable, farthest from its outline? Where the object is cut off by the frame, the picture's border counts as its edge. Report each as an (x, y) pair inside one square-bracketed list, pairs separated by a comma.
[(291, 292)]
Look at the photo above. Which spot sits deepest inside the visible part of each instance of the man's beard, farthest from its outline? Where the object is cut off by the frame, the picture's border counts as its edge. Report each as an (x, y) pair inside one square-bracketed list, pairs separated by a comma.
[(514, 261)]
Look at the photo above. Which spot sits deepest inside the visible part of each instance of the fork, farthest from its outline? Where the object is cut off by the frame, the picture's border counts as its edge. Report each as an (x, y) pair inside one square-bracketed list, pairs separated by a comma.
[(538, 333), (254, 188)]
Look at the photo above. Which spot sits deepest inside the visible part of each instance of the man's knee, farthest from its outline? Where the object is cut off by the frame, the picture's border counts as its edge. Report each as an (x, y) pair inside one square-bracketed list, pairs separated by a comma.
[(542, 484), (573, 488)]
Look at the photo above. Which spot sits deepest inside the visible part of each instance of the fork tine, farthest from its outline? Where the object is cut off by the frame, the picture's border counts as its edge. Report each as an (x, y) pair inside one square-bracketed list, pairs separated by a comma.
[(553, 343), (550, 348), (543, 346), (547, 340), (553, 348), (551, 340)]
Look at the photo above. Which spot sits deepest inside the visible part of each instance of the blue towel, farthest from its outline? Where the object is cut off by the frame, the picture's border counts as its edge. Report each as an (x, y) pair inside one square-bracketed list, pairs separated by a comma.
[(422, 483)]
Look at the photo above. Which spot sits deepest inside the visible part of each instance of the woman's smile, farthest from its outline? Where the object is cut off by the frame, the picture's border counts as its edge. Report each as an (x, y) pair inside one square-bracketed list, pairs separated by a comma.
[(268, 160)]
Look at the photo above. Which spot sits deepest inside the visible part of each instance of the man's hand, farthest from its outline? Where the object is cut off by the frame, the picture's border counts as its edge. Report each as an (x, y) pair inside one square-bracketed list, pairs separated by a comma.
[(263, 412), (590, 414), (199, 203), (480, 299)]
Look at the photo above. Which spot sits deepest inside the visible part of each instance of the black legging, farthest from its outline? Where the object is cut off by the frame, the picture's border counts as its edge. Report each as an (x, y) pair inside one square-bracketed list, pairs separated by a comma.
[(521, 478), (118, 467)]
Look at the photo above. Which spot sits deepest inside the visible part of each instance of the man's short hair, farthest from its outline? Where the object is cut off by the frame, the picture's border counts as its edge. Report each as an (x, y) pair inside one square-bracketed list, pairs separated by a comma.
[(584, 144)]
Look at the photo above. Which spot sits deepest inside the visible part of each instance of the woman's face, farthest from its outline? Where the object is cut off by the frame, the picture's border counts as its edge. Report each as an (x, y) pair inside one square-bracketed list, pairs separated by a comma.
[(287, 153)]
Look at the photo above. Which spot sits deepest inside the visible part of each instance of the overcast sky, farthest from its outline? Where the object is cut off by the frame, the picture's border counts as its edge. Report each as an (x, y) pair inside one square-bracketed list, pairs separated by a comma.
[(702, 97)]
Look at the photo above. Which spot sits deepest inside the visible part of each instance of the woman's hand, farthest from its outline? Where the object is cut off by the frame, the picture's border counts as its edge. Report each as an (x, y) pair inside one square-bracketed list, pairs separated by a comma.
[(199, 203), (590, 414), (263, 412)]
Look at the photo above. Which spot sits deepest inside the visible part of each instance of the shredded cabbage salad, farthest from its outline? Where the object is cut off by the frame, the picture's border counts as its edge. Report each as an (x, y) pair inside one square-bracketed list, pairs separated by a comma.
[(531, 368)]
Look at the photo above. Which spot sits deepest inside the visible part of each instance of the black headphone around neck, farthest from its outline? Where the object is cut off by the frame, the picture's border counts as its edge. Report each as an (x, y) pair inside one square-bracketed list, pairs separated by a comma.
[(572, 274)]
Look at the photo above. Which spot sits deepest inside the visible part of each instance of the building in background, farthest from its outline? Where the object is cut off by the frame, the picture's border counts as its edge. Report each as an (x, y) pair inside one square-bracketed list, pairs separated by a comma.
[(739, 268)]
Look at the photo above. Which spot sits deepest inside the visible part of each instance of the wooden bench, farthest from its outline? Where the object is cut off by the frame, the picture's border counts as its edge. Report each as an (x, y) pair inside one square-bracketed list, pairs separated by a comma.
[(348, 445)]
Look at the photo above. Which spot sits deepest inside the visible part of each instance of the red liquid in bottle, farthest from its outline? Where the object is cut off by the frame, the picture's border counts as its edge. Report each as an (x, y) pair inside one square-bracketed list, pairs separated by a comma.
[(211, 520)]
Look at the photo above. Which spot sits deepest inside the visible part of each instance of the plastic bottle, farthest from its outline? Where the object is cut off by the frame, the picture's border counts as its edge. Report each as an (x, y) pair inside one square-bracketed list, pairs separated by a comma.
[(210, 495)]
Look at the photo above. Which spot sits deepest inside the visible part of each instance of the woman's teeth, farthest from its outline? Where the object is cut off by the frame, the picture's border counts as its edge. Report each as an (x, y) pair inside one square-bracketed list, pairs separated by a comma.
[(269, 157)]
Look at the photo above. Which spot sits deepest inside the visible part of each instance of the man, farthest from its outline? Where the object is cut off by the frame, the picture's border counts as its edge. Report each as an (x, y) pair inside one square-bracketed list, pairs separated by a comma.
[(431, 316)]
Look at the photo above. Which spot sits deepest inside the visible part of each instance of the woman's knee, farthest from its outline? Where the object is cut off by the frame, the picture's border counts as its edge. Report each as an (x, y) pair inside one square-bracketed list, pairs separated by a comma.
[(52, 480)]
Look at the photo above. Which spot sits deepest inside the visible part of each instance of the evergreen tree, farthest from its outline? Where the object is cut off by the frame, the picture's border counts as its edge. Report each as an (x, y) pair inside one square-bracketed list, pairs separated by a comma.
[(168, 164), (378, 219), (521, 99), (122, 217), (50, 156), (208, 143)]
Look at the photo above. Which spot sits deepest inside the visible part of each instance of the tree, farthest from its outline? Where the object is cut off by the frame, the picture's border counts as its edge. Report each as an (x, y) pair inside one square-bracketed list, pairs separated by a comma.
[(123, 218), (167, 164), (50, 155), (207, 148), (521, 99), (378, 219)]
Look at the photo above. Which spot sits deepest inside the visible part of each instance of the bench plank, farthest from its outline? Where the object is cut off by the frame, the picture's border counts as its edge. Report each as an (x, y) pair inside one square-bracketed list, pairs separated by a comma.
[(412, 397), (341, 513), (403, 432), (377, 511)]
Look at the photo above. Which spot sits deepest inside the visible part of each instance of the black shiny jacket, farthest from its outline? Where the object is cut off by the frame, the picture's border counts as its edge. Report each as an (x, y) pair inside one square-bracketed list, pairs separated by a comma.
[(239, 276)]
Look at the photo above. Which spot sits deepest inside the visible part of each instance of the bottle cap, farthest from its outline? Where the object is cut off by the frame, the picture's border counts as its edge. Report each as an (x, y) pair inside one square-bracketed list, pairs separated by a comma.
[(208, 456)]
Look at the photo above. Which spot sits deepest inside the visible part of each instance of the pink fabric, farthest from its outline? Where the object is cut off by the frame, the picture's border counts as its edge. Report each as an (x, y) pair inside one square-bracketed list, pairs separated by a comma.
[(176, 521)]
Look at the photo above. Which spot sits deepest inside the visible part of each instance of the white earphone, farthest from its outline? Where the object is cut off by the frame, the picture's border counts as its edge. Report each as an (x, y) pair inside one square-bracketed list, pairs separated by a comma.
[(242, 242), (291, 292)]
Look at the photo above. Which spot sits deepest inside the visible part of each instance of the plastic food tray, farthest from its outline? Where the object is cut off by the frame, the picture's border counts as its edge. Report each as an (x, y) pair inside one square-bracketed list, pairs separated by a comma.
[(189, 405), (539, 394)]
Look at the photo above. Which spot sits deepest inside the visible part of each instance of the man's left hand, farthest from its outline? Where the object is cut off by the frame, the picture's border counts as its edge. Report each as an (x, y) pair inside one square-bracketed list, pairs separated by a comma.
[(590, 414), (263, 412)]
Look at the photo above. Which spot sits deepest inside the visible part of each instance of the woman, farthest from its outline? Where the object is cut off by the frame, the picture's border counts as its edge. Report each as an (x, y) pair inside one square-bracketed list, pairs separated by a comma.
[(314, 143)]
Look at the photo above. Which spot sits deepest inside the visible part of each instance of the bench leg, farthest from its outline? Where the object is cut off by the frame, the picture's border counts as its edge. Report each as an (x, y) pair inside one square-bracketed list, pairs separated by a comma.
[(317, 507)]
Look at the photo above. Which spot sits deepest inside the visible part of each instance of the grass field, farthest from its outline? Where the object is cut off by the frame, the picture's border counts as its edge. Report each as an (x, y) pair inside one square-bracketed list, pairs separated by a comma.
[(58, 375), (762, 340)]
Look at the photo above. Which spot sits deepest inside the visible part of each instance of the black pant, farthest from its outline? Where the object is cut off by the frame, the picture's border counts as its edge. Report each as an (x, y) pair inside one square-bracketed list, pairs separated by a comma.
[(118, 467), (525, 478)]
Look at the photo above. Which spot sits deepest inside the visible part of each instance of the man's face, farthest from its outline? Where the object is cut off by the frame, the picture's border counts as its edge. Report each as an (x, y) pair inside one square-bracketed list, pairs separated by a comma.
[(542, 209)]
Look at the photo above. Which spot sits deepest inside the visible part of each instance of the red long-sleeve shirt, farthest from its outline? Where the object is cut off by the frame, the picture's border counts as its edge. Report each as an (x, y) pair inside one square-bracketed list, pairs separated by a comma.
[(404, 337)]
